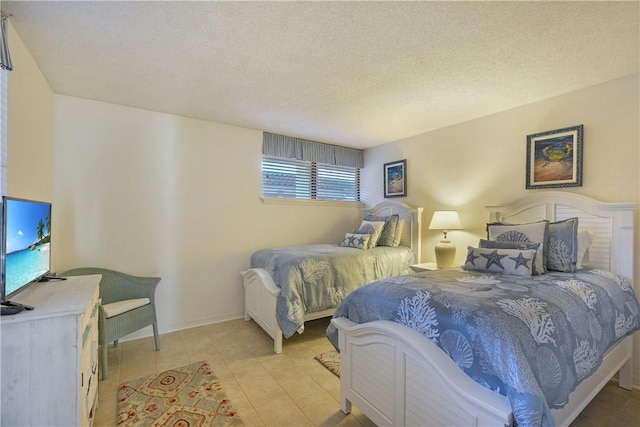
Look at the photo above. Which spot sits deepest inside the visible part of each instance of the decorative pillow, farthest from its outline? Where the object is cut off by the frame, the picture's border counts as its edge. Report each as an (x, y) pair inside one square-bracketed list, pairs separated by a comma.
[(561, 253), (366, 229), (375, 234), (515, 262), (584, 241), (398, 236), (359, 241), (495, 244), (535, 232), (389, 230)]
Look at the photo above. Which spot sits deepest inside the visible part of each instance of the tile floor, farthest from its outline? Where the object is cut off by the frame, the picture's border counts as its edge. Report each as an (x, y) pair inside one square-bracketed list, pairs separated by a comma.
[(290, 389)]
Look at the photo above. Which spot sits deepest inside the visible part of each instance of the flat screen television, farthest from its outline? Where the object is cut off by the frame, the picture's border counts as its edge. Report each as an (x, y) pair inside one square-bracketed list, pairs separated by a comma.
[(26, 240)]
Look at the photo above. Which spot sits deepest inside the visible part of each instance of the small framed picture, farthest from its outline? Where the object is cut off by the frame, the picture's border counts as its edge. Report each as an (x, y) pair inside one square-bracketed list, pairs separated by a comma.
[(395, 179), (554, 158)]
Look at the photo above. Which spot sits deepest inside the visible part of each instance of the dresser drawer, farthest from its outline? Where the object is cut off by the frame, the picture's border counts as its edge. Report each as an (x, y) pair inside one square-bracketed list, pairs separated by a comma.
[(90, 317)]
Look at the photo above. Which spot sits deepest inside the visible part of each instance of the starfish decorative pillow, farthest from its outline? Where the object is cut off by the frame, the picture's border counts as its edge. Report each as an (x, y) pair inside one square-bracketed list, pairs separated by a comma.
[(515, 262), (358, 241)]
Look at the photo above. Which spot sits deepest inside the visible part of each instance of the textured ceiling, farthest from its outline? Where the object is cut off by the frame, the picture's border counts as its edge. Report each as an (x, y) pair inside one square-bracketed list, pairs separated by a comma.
[(353, 73)]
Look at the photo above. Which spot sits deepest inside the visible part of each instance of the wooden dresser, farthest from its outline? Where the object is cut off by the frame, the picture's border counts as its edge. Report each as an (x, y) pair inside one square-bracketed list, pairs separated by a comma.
[(49, 356)]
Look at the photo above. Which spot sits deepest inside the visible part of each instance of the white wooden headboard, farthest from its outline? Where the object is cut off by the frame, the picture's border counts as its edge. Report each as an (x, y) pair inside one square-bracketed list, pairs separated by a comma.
[(412, 228), (611, 224)]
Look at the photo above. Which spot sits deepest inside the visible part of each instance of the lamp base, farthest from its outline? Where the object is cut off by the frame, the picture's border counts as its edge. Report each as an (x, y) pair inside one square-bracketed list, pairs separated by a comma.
[(445, 254)]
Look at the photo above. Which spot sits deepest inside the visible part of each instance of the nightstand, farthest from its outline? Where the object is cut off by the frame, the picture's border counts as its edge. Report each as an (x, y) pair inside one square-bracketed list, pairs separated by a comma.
[(425, 266)]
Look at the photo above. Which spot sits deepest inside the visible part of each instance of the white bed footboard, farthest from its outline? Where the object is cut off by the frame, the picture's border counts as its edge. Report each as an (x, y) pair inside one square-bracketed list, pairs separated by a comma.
[(260, 297), (399, 378)]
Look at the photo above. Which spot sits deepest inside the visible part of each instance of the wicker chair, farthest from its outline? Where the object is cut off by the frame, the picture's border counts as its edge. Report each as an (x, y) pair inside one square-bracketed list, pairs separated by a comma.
[(128, 305)]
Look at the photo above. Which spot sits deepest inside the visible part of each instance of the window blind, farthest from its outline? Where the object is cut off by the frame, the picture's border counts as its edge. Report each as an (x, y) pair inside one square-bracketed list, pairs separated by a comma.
[(299, 179), (337, 183), (286, 178)]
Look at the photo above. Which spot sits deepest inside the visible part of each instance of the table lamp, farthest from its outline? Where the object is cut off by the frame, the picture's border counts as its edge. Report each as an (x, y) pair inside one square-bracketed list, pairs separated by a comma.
[(445, 251)]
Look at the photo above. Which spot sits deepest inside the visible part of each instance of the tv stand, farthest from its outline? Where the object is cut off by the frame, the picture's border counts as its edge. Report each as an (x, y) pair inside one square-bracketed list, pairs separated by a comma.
[(49, 278), (10, 307), (49, 369)]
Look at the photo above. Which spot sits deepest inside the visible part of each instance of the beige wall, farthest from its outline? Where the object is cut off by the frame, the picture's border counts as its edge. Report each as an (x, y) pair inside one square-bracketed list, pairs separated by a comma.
[(29, 127), (157, 194), (483, 162), (151, 193)]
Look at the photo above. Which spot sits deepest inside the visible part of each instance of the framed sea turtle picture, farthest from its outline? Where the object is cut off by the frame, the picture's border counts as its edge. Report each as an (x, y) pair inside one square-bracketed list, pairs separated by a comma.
[(554, 158)]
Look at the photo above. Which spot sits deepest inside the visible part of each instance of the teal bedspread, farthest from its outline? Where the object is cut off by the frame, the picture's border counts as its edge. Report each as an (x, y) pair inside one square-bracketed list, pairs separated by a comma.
[(318, 277), (531, 339)]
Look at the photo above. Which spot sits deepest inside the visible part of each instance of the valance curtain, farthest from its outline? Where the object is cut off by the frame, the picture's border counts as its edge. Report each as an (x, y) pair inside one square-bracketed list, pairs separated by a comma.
[(5, 56), (288, 147)]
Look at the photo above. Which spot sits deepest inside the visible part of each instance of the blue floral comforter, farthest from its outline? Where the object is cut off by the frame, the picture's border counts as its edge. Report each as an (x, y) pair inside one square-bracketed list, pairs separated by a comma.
[(530, 339), (318, 277)]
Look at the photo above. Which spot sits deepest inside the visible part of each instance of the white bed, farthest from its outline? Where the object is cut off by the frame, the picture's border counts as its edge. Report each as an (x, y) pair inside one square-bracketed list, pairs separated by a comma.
[(261, 293), (398, 377)]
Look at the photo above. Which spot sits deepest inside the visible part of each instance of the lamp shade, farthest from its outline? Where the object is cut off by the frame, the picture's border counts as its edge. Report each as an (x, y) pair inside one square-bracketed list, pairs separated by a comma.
[(445, 220)]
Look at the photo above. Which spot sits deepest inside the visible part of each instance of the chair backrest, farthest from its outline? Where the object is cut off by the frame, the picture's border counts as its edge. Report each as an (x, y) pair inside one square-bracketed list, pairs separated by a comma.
[(118, 286)]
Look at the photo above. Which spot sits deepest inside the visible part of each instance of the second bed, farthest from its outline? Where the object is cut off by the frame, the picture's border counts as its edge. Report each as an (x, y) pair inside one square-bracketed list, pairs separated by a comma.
[(287, 286)]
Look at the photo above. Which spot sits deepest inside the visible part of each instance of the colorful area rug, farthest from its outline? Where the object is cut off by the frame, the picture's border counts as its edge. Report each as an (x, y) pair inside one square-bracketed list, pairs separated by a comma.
[(330, 360), (190, 396)]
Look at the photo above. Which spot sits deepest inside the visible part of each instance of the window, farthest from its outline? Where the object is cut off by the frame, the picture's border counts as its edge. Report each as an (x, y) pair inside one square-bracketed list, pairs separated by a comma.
[(5, 67), (3, 132), (300, 179), (294, 168)]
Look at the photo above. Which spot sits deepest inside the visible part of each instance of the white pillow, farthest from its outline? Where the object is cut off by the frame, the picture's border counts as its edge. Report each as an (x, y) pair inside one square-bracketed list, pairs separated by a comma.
[(119, 307), (535, 232), (584, 241), (376, 233)]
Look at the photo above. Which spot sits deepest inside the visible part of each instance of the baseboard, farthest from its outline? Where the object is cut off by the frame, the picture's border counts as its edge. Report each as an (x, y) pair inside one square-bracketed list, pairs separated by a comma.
[(148, 331)]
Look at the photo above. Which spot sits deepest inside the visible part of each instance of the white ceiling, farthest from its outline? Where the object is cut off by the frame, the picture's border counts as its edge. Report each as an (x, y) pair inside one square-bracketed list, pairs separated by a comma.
[(352, 73)]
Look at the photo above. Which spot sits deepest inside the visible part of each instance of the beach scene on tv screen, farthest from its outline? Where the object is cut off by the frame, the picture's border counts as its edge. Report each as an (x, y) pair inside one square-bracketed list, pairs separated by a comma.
[(28, 239)]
